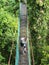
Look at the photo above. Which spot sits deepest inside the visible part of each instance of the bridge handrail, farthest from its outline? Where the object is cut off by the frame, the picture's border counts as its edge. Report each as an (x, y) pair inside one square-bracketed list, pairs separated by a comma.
[(17, 46), (29, 57)]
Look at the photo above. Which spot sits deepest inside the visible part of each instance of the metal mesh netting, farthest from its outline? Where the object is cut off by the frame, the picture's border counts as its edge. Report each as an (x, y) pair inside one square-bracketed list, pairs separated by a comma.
[(23, 9)]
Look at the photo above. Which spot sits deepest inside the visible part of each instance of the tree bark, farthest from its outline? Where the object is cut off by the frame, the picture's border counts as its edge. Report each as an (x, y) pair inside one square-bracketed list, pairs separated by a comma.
[(10, 53)]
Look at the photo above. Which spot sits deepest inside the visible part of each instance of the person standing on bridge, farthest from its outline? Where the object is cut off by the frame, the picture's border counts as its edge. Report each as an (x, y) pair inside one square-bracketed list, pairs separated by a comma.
[(23, 44), (24, 47), (22, 41)]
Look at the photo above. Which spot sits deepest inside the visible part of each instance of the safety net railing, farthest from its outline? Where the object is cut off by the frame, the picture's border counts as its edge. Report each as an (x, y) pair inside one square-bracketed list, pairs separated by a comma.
[(17, 45), (29, 57)]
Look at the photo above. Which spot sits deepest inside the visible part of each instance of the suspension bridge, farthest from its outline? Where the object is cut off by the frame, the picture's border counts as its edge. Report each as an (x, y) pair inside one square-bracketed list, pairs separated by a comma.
[(22, 59)]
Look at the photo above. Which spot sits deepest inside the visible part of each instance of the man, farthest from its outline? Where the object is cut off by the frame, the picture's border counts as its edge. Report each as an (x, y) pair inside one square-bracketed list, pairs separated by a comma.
[(23, 44), (24, 47), (22, 41)]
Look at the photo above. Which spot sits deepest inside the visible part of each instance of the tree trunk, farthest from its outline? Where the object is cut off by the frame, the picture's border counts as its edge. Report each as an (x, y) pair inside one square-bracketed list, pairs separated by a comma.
[(10, 53)]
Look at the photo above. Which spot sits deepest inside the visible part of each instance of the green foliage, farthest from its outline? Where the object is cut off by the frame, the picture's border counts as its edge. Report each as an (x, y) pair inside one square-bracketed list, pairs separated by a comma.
[(8, 29), (1, 57), (38, 12), (8, 26), (40, 2), (45, 59)]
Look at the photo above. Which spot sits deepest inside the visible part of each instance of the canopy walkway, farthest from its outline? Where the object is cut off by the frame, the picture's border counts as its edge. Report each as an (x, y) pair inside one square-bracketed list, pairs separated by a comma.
[(22, 59)]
